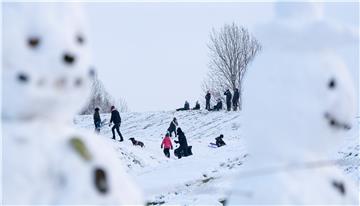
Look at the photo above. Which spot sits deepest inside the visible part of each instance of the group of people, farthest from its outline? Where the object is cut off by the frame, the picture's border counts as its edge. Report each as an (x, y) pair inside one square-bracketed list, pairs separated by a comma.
[(187, 106), (182, 151), (115, 118), (231, 100)]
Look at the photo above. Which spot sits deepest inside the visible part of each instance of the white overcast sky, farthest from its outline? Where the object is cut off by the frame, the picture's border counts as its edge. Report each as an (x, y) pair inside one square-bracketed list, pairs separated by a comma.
[(155, 56)]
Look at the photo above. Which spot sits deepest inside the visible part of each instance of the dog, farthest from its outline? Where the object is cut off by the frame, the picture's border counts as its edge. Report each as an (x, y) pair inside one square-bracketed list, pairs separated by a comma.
[(135, 143)]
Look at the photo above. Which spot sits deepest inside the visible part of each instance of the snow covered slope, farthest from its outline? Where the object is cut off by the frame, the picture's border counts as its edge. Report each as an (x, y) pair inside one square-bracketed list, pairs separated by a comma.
[(204, 177)]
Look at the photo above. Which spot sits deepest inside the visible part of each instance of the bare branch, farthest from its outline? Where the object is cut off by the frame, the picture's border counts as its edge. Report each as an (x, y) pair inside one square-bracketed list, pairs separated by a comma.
[(232, 49)]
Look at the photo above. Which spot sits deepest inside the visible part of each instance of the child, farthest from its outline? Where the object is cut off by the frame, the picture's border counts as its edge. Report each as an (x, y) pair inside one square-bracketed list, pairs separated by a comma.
[(166, 143), (219, 141), (97, 120)]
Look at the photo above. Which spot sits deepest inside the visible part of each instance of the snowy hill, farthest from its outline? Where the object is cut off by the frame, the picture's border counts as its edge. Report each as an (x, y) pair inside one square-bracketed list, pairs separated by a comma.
[(203, 178)]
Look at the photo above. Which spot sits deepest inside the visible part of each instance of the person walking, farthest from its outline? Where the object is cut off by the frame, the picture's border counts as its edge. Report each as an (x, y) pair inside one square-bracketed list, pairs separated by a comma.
[(115, 117), (97, 120), (235, 99), (207, 99), (228, 99), (172, 127), (167, 145)]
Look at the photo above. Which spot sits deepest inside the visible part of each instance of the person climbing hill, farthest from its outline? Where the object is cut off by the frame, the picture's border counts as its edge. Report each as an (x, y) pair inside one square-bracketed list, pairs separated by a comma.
[(172, 127), (167, 145), (115, 117)]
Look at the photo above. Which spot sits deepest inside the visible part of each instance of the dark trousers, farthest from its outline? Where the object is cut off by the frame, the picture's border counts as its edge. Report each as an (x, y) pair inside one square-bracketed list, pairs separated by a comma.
[(207, 105), (117, 127), (228, 105), (97, 126), (235, 105), (167, 152), (171, 131)]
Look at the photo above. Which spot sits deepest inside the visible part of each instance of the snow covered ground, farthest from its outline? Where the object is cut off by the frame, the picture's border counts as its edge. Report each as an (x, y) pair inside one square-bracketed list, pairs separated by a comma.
[(203, 178)]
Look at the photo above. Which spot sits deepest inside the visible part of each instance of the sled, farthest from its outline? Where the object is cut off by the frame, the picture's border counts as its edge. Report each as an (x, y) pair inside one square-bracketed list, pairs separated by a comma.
[(212, 145)]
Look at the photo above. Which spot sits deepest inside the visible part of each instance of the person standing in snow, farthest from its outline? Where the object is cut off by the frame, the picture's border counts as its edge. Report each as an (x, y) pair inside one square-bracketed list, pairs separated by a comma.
[(186, 107), (172, 127), (207, 99), (167, 145), (235, 99), (115, 117), (183, 148), (97, 120), (197, 106), (228, 99)]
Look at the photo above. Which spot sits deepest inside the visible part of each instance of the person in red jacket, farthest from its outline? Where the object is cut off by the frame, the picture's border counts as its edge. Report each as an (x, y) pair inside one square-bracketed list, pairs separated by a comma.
[(166, 143)]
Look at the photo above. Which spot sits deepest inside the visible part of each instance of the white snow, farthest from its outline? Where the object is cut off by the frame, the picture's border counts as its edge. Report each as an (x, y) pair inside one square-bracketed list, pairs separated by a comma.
[(274, 146), (203, 178), (296, 117), (206, 177), (46, 160)]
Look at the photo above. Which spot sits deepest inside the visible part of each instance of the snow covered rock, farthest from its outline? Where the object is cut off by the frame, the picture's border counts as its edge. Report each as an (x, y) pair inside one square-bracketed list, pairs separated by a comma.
[(298, 118), (46, 79)]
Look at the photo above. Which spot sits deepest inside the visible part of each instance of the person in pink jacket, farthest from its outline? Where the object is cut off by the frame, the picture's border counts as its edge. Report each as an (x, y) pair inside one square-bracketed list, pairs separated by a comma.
[(166, 143)]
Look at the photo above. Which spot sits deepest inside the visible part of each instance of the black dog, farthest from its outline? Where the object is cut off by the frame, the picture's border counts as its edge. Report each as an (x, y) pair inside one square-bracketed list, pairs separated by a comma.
[(135, 143)]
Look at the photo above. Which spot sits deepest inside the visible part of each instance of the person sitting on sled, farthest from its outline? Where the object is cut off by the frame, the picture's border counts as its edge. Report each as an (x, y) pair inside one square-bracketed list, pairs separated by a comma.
[(219, 141)]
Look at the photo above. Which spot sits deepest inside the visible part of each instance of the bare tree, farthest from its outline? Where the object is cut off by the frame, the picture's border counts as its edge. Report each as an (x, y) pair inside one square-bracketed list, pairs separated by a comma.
[(231, 51), (102, 99)]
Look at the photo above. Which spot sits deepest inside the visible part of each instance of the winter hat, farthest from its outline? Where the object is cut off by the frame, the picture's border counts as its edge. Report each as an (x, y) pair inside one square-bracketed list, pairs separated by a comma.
[(97, 109), (112, 107)]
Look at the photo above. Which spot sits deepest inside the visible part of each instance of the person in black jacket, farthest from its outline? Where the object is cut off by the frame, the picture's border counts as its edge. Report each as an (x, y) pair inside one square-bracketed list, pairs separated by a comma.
[(219, 141), (186, 107), (218, 106), (115, 117), (235, 99), (183, 148), (197, 106), (207, 99), (228, 99), (97, 120), (172, 127)]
